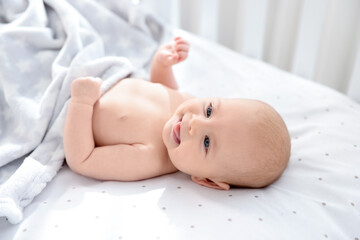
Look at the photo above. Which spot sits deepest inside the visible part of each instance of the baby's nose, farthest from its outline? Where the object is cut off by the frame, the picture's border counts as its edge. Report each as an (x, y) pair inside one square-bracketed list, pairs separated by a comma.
[(194, 124)]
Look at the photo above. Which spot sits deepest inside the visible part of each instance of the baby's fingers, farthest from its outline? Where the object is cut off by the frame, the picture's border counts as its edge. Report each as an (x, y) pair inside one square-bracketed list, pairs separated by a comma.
[(172, 58), (180, 40), (182, 55), (182, 47)]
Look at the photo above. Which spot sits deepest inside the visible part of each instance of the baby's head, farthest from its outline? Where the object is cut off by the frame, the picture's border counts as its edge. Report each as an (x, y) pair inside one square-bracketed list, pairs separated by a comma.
[(223, 142)]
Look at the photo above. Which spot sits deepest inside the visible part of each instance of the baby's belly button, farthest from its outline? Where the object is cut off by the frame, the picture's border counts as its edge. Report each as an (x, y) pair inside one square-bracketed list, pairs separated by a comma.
[(123, 118)]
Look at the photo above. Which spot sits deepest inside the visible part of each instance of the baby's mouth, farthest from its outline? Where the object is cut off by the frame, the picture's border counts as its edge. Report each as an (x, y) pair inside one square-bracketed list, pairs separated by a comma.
[(176, 131)]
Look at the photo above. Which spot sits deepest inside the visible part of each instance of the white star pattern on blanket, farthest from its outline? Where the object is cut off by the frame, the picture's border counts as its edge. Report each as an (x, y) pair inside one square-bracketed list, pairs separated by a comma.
[(45, 56), (24, 66), (10, 88), (41, 85), (1, 50), (124, 42), (22, 42), (5, 115)]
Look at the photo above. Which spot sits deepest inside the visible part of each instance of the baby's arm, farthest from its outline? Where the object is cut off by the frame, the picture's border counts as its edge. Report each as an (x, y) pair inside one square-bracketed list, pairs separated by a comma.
[(78, 135), (166, 56)]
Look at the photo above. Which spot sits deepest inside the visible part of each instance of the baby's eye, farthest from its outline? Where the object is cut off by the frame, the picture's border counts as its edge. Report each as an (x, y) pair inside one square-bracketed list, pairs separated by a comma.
[(206, 143), (209, 110)]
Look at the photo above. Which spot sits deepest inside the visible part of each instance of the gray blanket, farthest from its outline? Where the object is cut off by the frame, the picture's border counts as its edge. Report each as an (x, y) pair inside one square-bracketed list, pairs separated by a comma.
[(44, 46)]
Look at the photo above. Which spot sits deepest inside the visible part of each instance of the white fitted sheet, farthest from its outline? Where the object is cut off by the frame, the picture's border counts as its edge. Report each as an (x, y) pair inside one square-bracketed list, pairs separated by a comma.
[(317, 197)]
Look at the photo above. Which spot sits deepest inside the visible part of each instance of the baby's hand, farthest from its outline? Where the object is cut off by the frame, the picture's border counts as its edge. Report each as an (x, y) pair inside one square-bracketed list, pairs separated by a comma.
[(172, 53), (86, 90)]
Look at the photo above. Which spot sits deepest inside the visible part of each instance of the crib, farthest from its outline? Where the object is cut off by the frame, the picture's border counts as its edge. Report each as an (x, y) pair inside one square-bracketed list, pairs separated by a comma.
[(317, 197)]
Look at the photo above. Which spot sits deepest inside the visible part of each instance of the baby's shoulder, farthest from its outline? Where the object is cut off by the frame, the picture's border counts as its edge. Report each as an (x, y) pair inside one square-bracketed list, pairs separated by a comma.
[(139, 86), (153, 91), (131, 84)]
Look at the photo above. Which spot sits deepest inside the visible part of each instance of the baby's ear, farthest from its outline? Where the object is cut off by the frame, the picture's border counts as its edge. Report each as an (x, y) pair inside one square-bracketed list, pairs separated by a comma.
[(210, 183)]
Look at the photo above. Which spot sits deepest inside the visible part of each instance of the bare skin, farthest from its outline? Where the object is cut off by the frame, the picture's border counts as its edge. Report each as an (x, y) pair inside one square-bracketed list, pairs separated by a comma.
[(118, 136), (139, 130)]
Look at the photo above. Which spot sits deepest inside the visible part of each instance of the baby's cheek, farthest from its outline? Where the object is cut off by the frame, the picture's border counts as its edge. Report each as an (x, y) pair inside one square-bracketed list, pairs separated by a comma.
[(178, 158)]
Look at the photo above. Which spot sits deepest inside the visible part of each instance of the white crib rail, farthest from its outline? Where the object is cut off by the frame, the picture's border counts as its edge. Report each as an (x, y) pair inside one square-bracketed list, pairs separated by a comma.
[(309, 37), (316, 39)]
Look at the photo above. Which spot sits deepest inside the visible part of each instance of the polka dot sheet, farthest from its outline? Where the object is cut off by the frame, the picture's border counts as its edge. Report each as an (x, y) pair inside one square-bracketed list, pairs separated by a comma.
[(318, 196)]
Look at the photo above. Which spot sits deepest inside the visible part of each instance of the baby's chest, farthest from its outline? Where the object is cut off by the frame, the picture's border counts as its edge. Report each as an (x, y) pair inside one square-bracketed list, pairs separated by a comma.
[(126, 115)]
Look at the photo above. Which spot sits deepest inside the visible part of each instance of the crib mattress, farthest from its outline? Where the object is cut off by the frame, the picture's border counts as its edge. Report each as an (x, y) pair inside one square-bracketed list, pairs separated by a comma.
[(317, 197)]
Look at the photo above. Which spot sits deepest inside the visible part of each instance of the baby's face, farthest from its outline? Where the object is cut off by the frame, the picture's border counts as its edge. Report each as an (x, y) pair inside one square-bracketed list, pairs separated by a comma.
[(205, 135)]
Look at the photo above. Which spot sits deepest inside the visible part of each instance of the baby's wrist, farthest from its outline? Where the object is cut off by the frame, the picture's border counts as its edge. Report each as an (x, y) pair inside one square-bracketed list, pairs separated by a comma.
[(83, 100), (160, 61)]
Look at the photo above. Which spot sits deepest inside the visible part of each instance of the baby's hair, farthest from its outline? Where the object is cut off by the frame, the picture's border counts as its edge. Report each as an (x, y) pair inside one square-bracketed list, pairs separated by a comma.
[(272, 144)]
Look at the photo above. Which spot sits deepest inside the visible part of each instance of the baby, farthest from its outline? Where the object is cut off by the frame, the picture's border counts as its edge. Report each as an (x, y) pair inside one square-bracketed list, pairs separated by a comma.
[(140, 129)]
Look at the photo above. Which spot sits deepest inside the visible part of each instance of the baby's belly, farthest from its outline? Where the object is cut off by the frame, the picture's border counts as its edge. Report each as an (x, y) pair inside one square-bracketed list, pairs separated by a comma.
[(113, 126), (122, 117)]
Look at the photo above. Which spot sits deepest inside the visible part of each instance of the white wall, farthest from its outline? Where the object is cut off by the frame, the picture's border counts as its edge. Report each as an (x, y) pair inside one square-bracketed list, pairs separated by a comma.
[(316, 39)]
